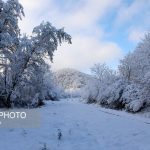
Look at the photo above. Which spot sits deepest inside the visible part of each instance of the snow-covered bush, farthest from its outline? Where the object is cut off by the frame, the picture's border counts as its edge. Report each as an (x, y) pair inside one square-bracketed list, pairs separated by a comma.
[(89, 92), (118, 95), (134, 97), (124, 95), (52, 91), (111, 95)]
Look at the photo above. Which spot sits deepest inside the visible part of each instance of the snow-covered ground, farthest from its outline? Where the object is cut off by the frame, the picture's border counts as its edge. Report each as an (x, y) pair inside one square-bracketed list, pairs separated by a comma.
[(83, 127)]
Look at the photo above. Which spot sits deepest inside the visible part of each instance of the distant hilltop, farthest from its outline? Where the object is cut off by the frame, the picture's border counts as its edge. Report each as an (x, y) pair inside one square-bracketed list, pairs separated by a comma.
[(71, 79)]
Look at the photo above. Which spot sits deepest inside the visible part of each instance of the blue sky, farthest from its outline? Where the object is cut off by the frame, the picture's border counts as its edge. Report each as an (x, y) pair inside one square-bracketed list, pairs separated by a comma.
[(101, 30)]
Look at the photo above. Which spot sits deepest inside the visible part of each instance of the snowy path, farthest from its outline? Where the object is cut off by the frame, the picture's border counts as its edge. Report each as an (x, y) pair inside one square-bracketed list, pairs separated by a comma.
[(83, 127)]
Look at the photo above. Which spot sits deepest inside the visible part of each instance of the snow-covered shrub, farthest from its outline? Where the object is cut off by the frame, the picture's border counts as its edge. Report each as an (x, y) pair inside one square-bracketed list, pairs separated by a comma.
[(52, 91), (118, 95), (124, 95), (135, 106), (111, 95), (90, 91), (134, 97)]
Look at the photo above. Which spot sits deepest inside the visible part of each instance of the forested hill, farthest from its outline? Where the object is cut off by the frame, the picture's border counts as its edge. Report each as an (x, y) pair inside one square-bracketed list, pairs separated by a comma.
[(71, 78)]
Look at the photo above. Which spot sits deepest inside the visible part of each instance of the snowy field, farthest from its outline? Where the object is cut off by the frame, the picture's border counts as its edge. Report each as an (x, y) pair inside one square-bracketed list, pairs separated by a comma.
[(83, 127)]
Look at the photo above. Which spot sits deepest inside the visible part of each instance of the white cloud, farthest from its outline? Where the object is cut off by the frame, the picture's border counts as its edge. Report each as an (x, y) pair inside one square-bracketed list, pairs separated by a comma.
[(82, 14), (85, 52), (89, 13), (133, 18), (127, 13)]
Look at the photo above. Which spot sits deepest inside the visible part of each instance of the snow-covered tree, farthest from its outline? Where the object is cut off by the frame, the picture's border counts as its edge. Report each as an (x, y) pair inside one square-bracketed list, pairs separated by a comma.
[(23, 58), (101, 71), (136, 65), (10, 12), (103, 77), (125, 67)]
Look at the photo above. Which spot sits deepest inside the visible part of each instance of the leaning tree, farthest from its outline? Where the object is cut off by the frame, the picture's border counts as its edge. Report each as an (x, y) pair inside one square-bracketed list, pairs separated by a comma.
[(22, 58)]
